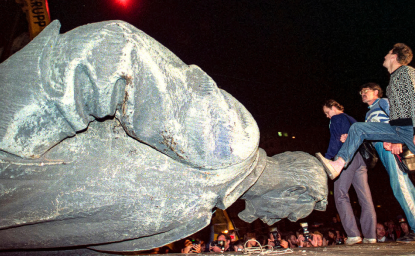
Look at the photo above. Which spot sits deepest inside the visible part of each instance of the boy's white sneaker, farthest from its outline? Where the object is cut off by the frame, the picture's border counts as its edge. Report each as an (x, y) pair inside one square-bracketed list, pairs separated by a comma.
[(369, 240), (353, 240)]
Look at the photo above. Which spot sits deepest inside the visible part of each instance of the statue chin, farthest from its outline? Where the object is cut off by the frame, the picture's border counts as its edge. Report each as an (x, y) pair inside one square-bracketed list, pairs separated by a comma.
[(110, 141)]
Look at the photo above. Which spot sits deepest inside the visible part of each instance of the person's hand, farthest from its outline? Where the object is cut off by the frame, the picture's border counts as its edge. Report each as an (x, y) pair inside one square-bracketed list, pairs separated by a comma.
[(271, 240), (300, 240), (396, 148), (284, 244), (387, 146), (313, 241), (343, 137), (414, 140), (197, 248), (214, 249), (187, 246), (325, 242)]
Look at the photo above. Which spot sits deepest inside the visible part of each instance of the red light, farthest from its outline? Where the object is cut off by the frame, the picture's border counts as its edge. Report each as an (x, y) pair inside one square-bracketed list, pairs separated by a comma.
[(47, 8), (125, 6), (124, 3)]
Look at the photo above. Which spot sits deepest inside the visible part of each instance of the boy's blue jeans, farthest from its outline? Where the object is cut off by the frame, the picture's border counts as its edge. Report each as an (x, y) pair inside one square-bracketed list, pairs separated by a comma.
[(359, 132)]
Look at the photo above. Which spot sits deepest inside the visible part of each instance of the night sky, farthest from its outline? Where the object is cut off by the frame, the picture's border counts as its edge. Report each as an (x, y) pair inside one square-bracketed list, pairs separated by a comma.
[(280, 59)]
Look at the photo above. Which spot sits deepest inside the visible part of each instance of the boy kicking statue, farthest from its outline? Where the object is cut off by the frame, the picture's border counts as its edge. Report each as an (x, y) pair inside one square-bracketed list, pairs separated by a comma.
[(400, 129)]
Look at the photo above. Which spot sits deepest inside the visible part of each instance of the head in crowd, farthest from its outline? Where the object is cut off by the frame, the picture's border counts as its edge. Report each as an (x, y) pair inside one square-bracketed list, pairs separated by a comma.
[(404, 226), (164, 250), (251, 240), (263, 239), (221, 244), (224, 237), (292, 239), (232, 235), (238, 246), (318, 237), (332, 234), (391, 225), (380, 231), (403, 53)]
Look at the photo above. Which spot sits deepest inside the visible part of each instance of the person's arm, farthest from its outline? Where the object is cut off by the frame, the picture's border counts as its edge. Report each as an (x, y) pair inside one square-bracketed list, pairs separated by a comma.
[(384, 106), (284, 244), (406, 97), (395, 148)]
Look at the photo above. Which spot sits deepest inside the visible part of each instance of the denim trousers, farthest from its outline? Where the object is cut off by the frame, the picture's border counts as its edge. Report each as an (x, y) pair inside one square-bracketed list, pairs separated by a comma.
[(359, 132), (402, 187), (355, 174)]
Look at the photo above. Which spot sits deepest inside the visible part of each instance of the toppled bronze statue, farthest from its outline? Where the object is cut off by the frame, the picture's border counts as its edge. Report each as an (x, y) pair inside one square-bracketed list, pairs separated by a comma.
[(108, 140)]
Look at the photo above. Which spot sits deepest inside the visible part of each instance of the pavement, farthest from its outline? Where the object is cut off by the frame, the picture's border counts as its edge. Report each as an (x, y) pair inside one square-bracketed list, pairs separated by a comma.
[(383, 249), (360, 249)]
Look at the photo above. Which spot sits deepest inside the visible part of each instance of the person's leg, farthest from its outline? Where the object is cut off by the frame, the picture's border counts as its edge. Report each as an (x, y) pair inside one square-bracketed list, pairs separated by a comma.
[(359, 132), (406, 135), (402, 187), (342, 200), (361, 186)]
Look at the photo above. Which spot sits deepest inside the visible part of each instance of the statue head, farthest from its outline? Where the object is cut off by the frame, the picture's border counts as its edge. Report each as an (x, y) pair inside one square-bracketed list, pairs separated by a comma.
[(292, 185)]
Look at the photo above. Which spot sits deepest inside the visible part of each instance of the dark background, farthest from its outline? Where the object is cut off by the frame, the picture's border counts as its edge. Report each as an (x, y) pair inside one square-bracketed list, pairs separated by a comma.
[(280, 59)]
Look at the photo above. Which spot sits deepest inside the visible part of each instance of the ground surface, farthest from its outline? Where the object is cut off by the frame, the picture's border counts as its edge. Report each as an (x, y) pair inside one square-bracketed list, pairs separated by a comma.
[(383, 249)]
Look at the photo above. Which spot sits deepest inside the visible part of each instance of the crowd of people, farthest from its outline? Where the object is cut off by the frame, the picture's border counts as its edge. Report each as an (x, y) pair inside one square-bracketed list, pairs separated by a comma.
[(389, 126), (323, 236)]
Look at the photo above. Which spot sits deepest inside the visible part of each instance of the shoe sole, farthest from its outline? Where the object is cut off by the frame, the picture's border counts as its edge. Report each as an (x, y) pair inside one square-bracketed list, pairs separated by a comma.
[(327, 167), (355, 243)]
